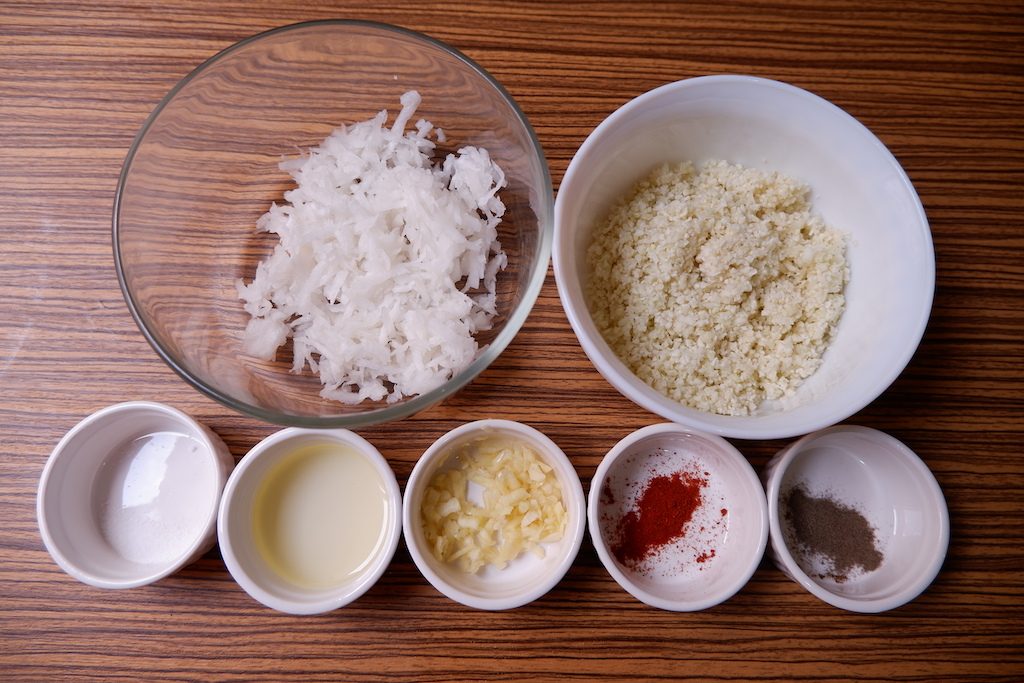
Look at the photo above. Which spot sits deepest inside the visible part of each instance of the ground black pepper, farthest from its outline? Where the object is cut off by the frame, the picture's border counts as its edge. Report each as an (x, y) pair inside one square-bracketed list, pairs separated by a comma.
[(821, 527)]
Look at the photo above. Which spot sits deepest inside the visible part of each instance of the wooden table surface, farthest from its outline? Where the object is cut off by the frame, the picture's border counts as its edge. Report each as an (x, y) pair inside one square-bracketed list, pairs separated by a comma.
[(942, 84)]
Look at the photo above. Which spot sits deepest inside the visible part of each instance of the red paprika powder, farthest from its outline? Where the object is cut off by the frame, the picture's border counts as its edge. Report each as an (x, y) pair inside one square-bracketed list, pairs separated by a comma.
[(663, 511)]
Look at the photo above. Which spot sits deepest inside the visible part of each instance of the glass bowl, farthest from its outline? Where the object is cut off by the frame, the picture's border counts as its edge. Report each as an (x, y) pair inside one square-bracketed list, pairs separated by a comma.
[(204, 168)]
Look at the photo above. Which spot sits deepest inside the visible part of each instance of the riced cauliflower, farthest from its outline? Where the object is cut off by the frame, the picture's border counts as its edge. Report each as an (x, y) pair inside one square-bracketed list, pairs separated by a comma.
[(718, 287)]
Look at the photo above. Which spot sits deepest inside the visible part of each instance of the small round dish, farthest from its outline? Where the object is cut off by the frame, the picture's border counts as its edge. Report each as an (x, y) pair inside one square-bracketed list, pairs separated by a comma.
[(525, 578), (130, 494), (889, 487), (310, 519), (672, 562)]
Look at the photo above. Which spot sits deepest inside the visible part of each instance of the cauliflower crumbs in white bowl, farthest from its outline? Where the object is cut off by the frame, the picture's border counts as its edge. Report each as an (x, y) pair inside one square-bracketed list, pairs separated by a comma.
[(856, 187), (718, 287)]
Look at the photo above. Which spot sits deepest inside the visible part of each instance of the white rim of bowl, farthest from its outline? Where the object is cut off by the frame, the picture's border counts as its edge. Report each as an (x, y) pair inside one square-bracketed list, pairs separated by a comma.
[(486, 356), (575, 505), (781, 550), (58, 453), (593, 518), (621, 377), (365, 581)]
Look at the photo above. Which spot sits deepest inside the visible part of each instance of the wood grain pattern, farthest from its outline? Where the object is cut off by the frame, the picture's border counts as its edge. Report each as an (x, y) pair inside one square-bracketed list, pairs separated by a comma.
[(942, 84)]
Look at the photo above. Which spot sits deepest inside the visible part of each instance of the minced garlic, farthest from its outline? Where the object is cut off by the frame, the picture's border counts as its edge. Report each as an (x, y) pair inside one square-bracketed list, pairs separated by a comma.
[(519, 507)]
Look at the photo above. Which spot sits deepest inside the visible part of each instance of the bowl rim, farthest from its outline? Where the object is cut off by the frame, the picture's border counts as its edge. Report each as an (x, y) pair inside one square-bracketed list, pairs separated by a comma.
[(594, 518), (203, 540), (487, 355), (624, 380), (575, 504), (339, 596), (776, 470)]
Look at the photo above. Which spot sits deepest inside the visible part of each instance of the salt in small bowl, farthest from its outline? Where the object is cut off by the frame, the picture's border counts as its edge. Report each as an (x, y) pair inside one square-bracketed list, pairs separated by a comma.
[(130, 494)]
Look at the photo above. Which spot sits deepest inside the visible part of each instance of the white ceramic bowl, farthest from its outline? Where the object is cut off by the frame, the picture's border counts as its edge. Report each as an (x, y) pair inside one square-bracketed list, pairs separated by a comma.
[(719, 551), (857, 186), (130, 494), (527, 577), (891, 487), (253, 570)]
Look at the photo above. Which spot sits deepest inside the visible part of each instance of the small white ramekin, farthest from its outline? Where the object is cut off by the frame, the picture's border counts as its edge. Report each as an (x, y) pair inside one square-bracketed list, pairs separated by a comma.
[(116, 520), (235, 525), (738, 551), (895, 491), (527, 577)]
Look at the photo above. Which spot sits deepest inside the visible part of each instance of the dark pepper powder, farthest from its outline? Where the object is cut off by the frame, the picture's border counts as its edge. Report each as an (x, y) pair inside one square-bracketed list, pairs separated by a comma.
[(820, 526)]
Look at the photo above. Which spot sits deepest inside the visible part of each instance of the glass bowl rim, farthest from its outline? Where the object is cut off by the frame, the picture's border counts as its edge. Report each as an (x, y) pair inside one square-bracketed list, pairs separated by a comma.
[(517, 317)]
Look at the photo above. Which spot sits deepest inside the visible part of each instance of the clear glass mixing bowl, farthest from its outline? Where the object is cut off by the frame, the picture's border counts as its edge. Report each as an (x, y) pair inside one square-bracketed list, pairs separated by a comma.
[(204, 168)]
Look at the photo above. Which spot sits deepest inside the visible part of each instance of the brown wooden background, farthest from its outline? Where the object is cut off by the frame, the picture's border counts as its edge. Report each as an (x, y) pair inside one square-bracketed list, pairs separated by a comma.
[(942, 84)]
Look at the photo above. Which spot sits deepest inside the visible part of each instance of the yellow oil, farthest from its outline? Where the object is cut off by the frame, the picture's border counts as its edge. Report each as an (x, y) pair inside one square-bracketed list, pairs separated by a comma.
[(320, 515)]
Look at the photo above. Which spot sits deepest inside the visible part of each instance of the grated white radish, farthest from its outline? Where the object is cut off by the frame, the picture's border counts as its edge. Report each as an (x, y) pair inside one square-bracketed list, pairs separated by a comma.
[(387, 262)]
